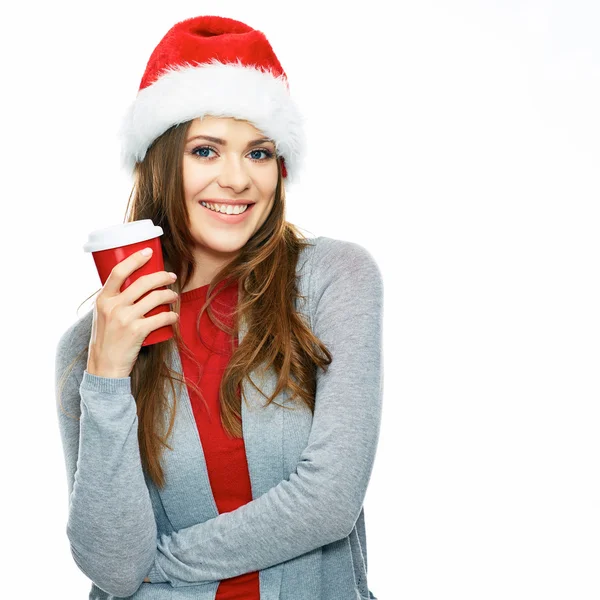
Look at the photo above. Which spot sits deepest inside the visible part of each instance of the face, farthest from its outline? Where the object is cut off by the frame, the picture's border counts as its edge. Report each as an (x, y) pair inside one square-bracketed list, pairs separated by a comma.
[(235, 167)]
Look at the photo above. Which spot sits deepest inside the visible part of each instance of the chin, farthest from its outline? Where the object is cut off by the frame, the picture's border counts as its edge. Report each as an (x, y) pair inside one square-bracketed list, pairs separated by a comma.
[(222, 242)]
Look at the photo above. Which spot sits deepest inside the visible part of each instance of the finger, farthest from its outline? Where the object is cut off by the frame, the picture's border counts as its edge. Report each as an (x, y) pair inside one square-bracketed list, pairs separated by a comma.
[(152, 300), (122, 270), (149, 324)]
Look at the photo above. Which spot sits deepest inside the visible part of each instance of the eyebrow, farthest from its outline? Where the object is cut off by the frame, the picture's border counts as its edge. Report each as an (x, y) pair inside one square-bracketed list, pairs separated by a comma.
[(217, 140)]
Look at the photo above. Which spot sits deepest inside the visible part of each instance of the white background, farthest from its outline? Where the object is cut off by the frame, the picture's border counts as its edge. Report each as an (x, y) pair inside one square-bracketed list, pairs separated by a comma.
[(459, 143)]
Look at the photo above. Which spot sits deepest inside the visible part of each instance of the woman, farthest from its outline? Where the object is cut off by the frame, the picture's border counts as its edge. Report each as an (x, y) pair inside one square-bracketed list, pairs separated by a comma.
[(165, 499)]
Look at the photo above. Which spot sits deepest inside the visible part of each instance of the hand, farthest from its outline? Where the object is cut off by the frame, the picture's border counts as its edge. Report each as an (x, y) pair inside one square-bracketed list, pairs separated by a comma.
[(119, 327)]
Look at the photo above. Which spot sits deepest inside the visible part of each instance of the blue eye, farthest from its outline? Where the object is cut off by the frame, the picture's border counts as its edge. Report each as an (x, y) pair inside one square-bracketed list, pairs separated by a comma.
[(200, 149), (268, 154), (200, 152)]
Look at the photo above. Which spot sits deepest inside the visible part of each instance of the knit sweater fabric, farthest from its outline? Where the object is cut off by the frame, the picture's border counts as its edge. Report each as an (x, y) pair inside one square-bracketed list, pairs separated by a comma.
[(303, 530)]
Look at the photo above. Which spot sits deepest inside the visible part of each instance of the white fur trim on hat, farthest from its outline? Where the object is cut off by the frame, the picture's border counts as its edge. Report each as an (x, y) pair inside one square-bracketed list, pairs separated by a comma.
[(187, 92)]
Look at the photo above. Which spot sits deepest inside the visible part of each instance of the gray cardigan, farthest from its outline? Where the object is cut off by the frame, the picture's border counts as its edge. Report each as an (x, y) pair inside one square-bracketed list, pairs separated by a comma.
[(304, 530)]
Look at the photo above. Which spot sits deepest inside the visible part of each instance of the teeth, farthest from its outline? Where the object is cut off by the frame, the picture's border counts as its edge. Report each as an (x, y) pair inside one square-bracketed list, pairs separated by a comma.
[(226, 209)]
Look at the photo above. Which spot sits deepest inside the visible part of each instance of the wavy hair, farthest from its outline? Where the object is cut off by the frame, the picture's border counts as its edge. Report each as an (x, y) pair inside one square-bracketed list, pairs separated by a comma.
[(265, 273)]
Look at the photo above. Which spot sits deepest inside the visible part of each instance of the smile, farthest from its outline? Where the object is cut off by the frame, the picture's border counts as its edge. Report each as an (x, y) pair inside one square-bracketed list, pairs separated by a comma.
[(226, 209), (229, 216)]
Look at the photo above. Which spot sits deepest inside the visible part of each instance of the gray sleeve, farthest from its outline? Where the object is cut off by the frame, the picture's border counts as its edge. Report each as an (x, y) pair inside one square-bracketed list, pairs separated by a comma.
[(322, 499), (111, 526)]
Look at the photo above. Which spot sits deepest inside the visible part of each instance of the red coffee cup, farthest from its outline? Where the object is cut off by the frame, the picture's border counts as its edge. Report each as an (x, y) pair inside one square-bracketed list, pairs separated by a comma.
[(111, 245)]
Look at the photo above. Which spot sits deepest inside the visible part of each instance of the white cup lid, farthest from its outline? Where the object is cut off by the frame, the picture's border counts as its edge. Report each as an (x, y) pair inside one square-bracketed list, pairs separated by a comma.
[(122, 235)]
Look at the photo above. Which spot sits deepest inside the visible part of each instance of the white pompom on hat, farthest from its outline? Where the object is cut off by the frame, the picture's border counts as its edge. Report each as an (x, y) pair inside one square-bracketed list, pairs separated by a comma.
[(217, 66)]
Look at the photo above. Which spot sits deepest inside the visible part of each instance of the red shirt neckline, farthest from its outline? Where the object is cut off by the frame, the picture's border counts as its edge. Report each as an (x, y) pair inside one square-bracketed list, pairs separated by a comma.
[(198, 293)]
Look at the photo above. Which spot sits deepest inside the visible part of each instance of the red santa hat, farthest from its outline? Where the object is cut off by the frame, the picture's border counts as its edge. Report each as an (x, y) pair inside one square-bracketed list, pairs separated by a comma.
[(217, 66)]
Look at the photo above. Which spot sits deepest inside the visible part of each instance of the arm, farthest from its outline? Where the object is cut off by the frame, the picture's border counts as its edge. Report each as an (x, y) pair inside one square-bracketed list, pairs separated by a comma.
[(322, 499), (111, 525)]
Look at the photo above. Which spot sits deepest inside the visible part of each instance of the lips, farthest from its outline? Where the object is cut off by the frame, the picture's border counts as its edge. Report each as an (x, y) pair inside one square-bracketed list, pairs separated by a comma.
[(250, 205), (226, 202), (225, 218)]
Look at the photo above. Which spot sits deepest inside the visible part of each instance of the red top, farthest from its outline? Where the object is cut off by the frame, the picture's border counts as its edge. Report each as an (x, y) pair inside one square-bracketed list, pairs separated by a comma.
[(225, 457)]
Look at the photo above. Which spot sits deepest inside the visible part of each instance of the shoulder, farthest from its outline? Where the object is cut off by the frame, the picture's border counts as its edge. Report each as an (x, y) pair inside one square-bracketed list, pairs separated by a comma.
[(343, 260), (74, 340), (71, 362), (340, 277)]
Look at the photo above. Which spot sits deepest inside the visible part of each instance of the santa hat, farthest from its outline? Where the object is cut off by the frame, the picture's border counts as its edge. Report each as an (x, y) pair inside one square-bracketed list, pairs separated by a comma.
[(217, 66)]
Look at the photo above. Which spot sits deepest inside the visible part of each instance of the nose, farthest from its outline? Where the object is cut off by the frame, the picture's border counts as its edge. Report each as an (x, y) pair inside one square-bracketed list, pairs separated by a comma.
[(233, 174)]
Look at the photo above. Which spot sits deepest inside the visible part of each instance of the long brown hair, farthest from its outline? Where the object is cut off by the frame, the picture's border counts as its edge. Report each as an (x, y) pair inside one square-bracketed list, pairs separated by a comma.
[(265, 274)]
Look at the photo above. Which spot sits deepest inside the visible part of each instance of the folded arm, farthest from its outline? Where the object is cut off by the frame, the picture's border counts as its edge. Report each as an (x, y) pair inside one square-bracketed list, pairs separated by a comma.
[(111, 525)]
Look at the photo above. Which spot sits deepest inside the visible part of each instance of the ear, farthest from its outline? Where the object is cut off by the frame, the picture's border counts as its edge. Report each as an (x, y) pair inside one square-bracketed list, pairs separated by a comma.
[(283, 169)]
